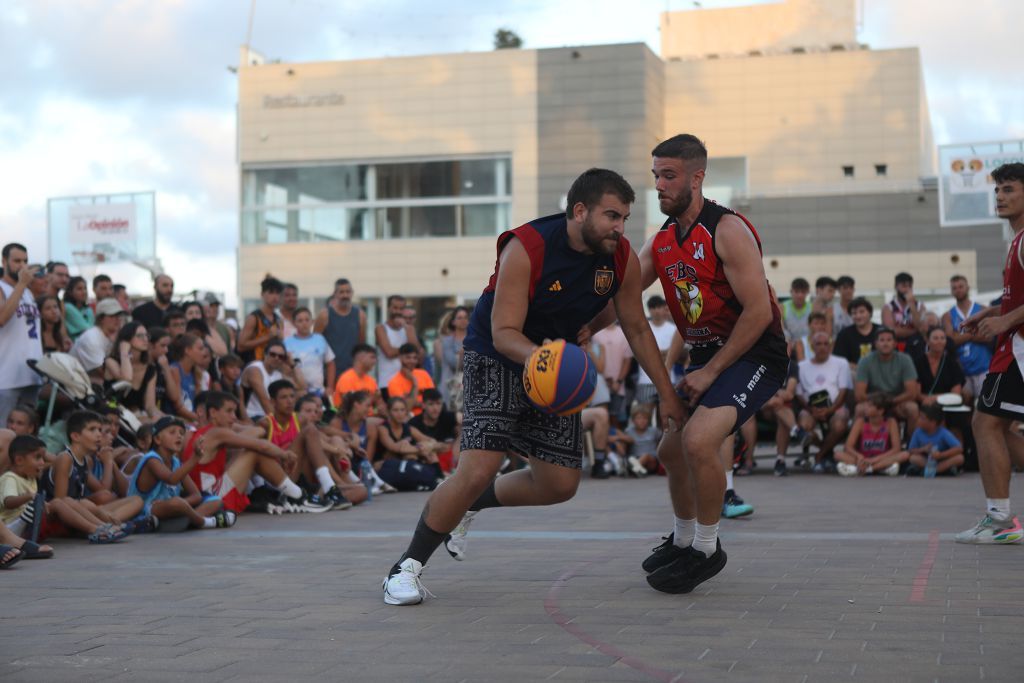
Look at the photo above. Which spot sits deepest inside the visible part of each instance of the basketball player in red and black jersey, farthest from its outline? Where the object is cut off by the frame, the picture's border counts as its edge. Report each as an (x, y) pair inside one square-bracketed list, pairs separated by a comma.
[(1001, 401), (708, 260), (554, 278)]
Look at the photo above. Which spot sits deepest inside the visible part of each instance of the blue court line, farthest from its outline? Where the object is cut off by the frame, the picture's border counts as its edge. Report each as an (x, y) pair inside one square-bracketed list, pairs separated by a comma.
[(839, 537)]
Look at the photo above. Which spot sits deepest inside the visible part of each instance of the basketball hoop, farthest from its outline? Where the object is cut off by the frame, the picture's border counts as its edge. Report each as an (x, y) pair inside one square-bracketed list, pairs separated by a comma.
[(84, 258)]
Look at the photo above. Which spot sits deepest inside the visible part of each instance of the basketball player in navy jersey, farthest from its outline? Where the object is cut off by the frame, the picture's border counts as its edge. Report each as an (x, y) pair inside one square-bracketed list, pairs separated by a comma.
[(708, 259), (552, 278)]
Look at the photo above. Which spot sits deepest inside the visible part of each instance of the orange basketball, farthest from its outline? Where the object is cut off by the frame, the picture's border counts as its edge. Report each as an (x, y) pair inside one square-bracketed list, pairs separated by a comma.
[(559, 378)]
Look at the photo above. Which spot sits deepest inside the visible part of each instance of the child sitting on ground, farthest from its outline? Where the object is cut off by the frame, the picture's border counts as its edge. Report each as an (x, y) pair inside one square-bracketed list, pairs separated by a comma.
[(166, 490), (873, 444), (37, 519), (643, 441), (17, 492), (931, 437)]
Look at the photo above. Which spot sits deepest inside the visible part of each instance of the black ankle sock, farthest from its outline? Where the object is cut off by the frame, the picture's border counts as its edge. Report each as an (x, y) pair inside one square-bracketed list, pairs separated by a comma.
[(487, 499), (423, 544)]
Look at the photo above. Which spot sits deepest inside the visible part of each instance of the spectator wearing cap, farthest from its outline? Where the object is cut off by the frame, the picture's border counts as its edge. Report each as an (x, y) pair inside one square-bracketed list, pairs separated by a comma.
[(211, 313), (94, 345), (152, 313), (891, 373), (19, 332)]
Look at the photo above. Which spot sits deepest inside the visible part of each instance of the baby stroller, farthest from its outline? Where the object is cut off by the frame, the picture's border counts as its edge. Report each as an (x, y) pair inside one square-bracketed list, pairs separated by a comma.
[(67, 377)]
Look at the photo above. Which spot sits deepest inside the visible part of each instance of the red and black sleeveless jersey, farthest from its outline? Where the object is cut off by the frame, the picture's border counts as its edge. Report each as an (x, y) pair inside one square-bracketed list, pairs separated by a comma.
[(699, 296), (567, 287), (1013, 297)]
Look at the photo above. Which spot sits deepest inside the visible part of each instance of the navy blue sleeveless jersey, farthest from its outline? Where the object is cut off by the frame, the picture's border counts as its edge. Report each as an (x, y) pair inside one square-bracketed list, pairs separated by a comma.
[(567, 287)]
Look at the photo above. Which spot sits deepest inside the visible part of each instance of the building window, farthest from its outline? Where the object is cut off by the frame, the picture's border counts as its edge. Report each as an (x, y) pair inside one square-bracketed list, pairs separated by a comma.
[(881, 170), (433, 198), (847, 171)]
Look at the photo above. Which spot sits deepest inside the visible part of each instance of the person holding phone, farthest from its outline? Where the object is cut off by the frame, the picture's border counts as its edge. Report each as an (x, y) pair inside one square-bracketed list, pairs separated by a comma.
[(905, 316), (20, 334)]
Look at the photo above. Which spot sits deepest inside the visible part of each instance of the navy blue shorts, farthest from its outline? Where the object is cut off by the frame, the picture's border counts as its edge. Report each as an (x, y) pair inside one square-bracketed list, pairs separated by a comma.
[(744, 385)]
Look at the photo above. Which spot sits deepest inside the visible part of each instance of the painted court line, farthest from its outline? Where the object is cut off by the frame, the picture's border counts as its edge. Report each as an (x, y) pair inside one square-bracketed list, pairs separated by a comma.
[(747, 536), (924, 572)]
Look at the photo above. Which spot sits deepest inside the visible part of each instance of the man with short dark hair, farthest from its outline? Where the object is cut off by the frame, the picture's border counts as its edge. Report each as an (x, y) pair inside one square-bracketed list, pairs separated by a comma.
[(796, 309), (359, 377), (391, 335), (824, 299), (410, 381), (264, 324), (664, 330), (175, 323), (342, 324), (891, 373), (121, 295), (856, 341), (102, 288), (57, 277), (973, 350), (557, 277), (151, 313), (1001, 401), (840, 308), (20, 331), (905, 315), (289, 304)]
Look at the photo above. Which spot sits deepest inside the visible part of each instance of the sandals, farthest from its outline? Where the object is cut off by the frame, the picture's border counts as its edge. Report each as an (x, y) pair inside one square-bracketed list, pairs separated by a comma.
[(7, 564), (31, 550), (107, 533)]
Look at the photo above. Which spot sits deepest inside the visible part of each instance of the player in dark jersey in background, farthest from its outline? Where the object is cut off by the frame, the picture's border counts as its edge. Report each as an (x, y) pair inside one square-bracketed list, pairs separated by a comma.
[(708, 260), (1002, 393), (553, 277)]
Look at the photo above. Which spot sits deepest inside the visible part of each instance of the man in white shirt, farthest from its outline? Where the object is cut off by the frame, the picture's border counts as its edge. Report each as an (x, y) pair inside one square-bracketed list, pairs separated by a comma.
[(616, 366), (92, 346), (664, 329), (20, 331), (824, 384)]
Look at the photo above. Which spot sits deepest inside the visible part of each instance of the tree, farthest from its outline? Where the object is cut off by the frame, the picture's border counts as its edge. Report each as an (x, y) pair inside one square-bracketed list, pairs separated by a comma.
[(506, 39)]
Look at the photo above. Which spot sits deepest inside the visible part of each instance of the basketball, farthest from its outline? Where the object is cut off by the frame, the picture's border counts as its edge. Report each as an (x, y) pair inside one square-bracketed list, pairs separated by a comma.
[(559, 378)]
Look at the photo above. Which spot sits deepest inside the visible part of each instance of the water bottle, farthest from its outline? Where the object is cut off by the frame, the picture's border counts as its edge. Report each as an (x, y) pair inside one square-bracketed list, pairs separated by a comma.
[(929, 467), (366, 476)]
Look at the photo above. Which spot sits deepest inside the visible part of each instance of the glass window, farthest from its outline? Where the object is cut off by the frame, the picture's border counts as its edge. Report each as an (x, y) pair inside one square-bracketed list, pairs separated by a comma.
[(484, 220), (306, 185), (418, 221)]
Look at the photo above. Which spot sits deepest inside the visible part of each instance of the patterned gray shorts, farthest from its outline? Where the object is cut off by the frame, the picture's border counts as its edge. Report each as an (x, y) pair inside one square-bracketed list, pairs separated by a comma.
[(498, 417)]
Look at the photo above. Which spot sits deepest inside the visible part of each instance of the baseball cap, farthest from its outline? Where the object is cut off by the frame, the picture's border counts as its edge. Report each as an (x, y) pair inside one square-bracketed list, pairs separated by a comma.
[(109, 307), (166, 422), (211, 299)]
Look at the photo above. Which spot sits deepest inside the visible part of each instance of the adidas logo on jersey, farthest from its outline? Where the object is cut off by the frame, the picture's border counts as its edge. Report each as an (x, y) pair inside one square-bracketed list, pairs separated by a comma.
[(556, 286)]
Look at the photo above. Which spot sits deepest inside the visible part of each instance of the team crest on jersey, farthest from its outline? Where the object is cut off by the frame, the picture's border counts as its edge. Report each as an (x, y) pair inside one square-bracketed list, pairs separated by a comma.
[(690, 299), (603, 279)]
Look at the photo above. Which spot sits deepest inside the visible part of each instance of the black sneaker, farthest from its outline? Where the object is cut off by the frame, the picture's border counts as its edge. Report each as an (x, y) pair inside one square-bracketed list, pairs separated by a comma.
[(688, 571), (143, 525), (663, 554), (336, 499), (780, 468), (913, 471), (600, 470)]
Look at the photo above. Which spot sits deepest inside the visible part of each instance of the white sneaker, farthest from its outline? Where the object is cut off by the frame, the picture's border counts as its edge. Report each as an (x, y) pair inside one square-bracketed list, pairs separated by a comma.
[(456, 542), (404, 587), (845, 469), (635, 467), (615, 463), (992, 531), (893, 470)]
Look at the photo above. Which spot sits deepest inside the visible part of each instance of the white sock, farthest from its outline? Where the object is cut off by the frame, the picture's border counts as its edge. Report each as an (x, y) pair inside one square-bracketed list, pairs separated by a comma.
[(209, 523), (323, 475), (998, 508), (289, 488), (683, 531), (705, 538), (728, 480), (258, 481)]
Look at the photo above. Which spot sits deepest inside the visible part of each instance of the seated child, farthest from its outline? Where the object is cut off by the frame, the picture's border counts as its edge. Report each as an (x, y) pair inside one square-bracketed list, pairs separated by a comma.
[(17, 492), (337, 454), (70, 476), (164, 485), (440, 425), (873, 444), (22, 421), (38, 519), (643, 441), (931, 437)]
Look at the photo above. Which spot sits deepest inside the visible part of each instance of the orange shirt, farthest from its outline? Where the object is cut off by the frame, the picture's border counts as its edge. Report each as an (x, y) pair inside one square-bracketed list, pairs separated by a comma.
[(400, 386), (350, 381)]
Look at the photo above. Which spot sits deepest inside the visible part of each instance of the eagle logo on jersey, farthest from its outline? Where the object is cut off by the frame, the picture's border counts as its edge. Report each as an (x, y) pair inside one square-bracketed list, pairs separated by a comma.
[(690, 299), (603, 278)]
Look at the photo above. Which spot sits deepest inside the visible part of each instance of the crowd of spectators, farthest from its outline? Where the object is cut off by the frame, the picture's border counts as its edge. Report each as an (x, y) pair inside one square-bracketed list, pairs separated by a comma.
[(292, 410)]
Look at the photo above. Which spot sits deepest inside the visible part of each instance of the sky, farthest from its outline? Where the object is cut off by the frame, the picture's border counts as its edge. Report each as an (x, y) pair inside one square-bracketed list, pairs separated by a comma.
[(106, 96)]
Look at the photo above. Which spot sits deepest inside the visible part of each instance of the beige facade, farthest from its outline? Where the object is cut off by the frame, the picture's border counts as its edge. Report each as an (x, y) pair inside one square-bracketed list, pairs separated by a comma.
[(795, 108)]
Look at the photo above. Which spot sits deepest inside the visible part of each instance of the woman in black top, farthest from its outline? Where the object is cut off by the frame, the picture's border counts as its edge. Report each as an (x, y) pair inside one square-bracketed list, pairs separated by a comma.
[(938, 369), (55, 335), (129, 362)]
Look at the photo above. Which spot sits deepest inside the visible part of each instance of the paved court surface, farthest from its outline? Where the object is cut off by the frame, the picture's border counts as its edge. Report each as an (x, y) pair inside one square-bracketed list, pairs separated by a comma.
[(831, 579)]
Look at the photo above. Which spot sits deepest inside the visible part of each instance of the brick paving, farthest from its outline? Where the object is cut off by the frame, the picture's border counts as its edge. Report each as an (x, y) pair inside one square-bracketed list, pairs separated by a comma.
[(831, 579)]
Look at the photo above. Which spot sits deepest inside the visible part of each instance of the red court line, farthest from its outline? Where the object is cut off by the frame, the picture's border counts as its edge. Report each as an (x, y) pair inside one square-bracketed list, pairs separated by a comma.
[(564, 621), (924, 572)]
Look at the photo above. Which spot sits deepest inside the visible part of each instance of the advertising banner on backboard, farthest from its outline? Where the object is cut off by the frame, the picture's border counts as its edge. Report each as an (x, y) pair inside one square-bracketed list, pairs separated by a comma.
[(966, 190), (101, 223)]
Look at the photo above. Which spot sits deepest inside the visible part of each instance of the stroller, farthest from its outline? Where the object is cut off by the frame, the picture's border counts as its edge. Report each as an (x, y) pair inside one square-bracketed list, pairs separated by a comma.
[(66, 376)]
